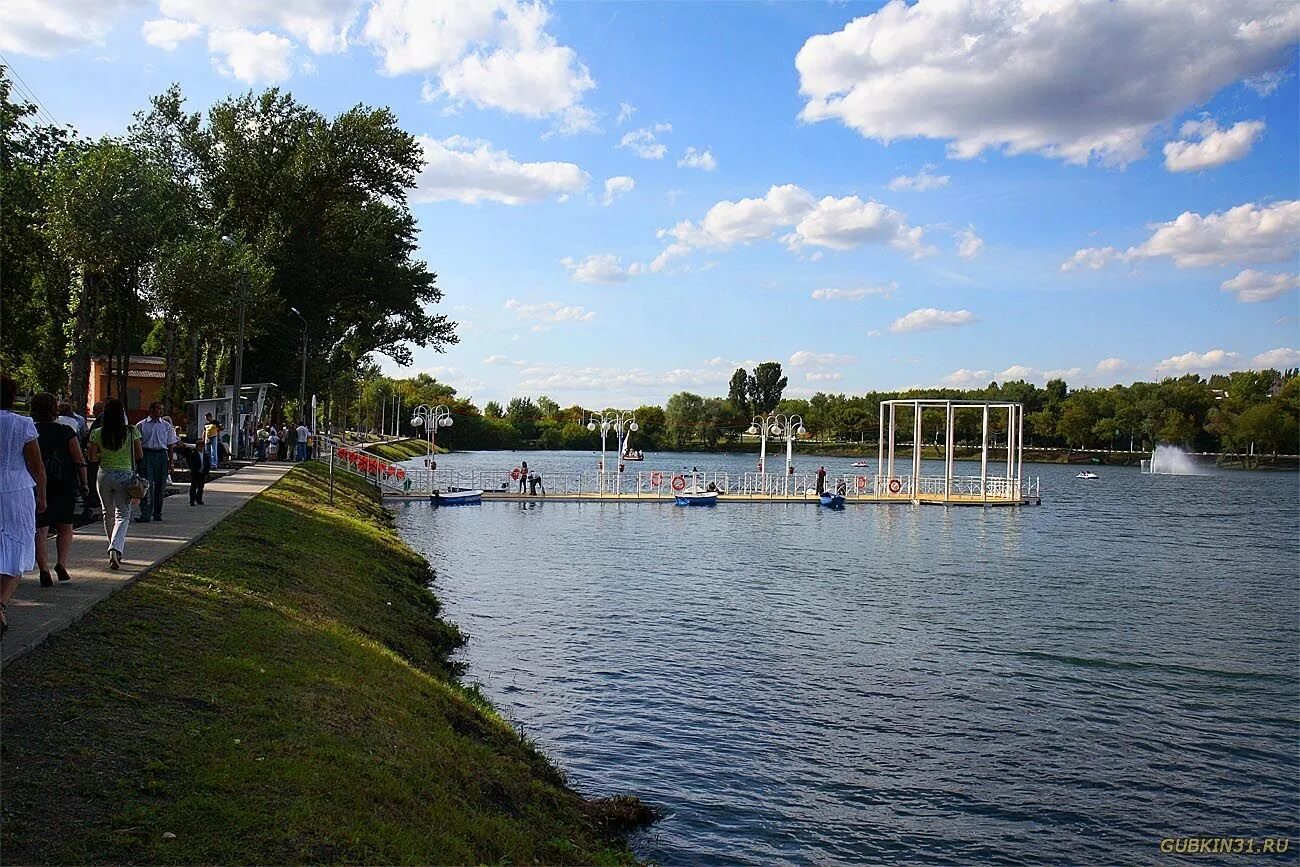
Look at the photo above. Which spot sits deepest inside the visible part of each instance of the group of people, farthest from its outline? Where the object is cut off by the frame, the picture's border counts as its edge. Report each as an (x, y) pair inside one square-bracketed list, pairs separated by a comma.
[(53, 458)]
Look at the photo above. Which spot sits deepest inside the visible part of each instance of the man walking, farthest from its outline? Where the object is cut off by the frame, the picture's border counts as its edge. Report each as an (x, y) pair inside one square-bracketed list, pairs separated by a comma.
[(158, 438), (303, 433)]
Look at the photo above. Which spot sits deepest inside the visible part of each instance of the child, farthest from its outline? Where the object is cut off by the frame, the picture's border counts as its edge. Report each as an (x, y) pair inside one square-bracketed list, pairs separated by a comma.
[(196, 458)]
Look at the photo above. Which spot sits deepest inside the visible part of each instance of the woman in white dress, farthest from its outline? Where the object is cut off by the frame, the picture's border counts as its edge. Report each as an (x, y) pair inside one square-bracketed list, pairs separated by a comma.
[(22, 494)]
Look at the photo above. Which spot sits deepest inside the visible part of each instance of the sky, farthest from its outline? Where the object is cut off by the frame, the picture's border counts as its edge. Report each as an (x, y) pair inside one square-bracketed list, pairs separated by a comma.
[(626, 200)]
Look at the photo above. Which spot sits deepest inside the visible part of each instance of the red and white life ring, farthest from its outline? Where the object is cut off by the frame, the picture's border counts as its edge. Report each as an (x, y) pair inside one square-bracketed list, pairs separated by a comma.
[(860, 483), (895, 486), (679, 483), (656, 478), (514, 474)]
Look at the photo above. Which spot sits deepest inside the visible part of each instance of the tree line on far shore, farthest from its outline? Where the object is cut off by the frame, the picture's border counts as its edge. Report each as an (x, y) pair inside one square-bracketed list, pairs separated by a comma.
[(1237, 413)]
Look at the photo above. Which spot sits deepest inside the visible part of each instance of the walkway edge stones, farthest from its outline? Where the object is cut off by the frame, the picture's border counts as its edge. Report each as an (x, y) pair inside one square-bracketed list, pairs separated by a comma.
[(36, 612)]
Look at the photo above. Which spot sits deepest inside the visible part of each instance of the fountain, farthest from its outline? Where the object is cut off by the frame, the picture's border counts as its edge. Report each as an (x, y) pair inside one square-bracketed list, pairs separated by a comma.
[(1169, 460)]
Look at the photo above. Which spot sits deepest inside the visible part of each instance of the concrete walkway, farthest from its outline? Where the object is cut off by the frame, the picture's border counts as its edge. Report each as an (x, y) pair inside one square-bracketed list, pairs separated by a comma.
[(36, 612)]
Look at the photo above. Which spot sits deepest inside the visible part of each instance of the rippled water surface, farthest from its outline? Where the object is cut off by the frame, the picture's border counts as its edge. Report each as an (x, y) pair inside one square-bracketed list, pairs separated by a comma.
[(1070, 682)]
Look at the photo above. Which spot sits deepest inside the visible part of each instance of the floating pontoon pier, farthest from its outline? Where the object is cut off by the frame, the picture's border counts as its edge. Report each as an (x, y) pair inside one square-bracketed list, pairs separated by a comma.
[(998, 483)]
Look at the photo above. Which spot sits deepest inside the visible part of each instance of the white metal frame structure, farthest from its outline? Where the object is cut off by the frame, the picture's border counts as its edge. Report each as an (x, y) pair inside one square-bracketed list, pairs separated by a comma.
[(622, 423), (997, 487), (430, 418)]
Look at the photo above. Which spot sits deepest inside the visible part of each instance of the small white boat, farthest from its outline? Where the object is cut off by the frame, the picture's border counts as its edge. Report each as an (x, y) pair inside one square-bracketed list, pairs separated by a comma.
[(1086, 474), (861, 464), (694, 496), (456, 497), (832, 501)]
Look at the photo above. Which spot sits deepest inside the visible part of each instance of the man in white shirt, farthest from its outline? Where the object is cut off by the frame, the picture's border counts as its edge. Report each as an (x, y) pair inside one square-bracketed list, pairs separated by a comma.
[(158, 438), (303, 433)]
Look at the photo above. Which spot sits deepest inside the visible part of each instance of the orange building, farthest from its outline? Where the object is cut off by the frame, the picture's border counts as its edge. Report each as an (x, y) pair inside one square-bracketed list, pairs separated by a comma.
[(144, 382)]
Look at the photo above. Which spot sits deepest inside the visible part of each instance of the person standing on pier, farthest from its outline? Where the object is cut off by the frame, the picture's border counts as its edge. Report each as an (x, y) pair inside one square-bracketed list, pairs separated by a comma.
[(523, 477), (158, 440), (821, 481)]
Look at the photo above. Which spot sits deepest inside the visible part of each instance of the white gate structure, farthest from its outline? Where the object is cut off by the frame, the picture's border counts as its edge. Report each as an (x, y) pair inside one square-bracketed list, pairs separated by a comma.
[(951, 488)]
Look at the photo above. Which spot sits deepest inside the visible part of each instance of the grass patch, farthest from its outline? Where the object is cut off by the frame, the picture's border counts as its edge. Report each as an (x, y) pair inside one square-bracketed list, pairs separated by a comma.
[(401, 450), (280, 692)]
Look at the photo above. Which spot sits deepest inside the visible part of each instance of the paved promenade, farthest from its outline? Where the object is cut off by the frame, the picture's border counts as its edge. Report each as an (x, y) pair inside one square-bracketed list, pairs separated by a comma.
[(35, 611)]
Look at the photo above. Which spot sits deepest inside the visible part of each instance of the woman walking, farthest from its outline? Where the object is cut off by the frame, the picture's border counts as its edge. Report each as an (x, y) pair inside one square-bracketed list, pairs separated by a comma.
[(22, 494), (116, 445), (65, 475)]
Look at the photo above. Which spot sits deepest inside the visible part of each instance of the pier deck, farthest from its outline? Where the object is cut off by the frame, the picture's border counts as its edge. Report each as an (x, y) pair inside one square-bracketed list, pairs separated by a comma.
[(724, 499)]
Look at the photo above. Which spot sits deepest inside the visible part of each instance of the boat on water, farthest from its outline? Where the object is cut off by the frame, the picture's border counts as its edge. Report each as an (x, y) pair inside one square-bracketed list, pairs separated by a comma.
[(633, 456), (832, 501), (860, 464), (456, 497), (696, 498), (1086, 474)]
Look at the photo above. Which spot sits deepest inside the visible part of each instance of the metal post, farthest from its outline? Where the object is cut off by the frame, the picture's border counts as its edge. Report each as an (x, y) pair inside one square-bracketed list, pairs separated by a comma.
[(880, 451), (1011, 435), (1020, 446), (947, 481), (893, 434), (984, 457), (916, 451)]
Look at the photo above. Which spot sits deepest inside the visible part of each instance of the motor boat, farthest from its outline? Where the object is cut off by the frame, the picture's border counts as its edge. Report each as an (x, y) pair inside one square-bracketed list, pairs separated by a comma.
[(456, 497), (861, 464), (634, 456), (1086, 474), (832, 501)]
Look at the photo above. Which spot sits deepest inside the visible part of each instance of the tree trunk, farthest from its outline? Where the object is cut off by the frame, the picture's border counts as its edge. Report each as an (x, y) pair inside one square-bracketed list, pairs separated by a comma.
[(84, 306)]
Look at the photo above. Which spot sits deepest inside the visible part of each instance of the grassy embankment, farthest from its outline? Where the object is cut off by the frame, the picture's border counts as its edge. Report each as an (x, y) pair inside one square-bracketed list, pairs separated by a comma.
[(400, 450), (280, 692)]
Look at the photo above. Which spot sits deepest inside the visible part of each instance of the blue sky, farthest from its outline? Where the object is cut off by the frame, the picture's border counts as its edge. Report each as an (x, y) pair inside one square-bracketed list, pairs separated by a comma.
[(878, 196)]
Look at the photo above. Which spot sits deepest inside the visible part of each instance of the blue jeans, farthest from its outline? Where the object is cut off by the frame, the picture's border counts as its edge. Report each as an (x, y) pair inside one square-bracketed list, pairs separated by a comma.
[(214, 451), (302, 451)]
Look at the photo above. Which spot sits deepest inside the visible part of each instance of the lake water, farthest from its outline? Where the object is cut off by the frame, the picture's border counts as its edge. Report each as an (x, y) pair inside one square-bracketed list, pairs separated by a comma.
[(1066, 683)]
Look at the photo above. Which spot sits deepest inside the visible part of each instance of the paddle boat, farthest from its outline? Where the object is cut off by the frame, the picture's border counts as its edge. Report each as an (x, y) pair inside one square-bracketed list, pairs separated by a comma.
[(456, 497), (832, 501), (696, 498), (860, 464), (1086, 474)]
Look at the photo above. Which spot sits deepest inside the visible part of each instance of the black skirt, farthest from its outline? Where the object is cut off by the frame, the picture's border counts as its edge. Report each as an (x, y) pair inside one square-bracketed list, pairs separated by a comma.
[(60, 505)]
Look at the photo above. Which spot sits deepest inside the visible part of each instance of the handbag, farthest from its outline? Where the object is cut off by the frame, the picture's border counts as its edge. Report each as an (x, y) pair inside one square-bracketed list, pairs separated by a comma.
[(137, 488)]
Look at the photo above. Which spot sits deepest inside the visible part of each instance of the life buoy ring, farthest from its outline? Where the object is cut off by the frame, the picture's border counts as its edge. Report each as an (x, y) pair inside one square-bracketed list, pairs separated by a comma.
[(514, 474), (895, 486), (656, 478), (860, 483), (679, 483)]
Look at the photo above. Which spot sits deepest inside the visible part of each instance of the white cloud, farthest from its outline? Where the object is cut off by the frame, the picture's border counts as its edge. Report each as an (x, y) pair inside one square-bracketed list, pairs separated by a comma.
[(822, 376), (1091, 257), (547, 314), (1033, 374), (625, 112), (322, 25), (552, 378), (805, 358), (492, 54), (919, 182), (251, 57), (1213, 361), (502, 361), (928, 318), (1205, 146), (1251, 286), (695, 159), (843, 224), (966, 377), (1246, 233), (1112, 365), (616, 188), (644, 142), (45, 28), (467, 170), (856, 294), (969, 244), (600, 268), (1072, 80), (168, 33), (1279, 359)]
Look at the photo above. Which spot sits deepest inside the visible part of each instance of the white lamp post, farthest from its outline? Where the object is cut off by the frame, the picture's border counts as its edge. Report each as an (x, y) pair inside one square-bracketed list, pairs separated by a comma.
[(787, 426), (622, 424), (431, 419), (758, 428)]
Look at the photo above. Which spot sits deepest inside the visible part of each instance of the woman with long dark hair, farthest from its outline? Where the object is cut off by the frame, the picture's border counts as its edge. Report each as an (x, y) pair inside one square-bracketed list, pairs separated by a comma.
[(116, 445), (22, 494), (65, 474)]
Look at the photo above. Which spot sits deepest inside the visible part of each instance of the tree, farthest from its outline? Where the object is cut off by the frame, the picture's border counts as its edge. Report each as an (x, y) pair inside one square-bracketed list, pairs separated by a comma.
[(523, 415), (492, 409), (766, 386), (548, 408), (683, 414), (738, 391)]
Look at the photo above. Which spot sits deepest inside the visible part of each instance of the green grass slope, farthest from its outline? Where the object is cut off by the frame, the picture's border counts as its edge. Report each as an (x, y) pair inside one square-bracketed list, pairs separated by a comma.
[(280, 692)]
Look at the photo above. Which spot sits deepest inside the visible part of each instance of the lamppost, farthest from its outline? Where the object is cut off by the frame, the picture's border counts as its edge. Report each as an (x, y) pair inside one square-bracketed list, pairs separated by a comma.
[(430, 419), (622, 424), (788, 426), (302, 381), (758, 428), (239, 356)]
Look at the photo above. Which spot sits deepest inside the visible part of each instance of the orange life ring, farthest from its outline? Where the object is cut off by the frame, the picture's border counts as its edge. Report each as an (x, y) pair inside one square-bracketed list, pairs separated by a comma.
[(514, 474), (679, 483), (656, 478), (860, 483), (895, 486)]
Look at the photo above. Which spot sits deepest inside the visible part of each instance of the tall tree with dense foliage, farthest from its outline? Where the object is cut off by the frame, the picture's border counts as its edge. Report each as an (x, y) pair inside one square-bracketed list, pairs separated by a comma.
[(766, 386)]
